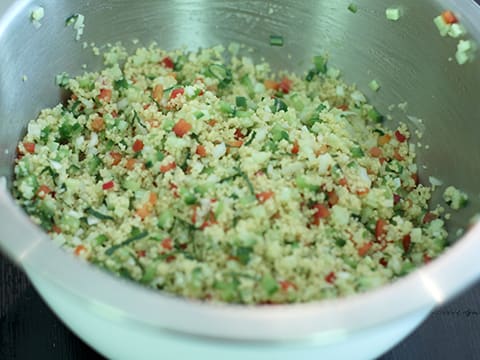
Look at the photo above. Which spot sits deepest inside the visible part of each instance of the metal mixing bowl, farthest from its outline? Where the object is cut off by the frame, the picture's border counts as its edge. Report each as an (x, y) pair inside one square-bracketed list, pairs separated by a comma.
[(408, 58)]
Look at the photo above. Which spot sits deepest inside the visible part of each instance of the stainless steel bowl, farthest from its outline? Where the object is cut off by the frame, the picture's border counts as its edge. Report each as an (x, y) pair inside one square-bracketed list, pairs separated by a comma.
[(408, 57)]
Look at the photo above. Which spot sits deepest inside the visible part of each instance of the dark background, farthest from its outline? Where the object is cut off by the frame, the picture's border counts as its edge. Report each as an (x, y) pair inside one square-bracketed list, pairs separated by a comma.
[(29, 330)]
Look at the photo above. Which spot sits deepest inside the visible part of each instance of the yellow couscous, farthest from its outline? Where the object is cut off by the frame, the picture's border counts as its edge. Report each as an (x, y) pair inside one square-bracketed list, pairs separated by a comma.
[(220, 180)]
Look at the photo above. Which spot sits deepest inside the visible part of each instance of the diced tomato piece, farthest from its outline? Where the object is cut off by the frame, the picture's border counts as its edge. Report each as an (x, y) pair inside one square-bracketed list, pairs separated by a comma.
[(167, 244), (332, 198), (98, 124), (406, 241), (400, 137), (381, 230), (238, 134), (285, 285), (264, 196), (212, 122), (426, 258), (43, 190), (168, 62), (449, 17), (116, 156), (330, 278), (105, 95), (429, 217), (295, 148), (176, 92), (396, 199), (174, 189), (29, 147), (138, 145), (363, 192), (363, 250), (168, 167), (343, 107), (181, 128), (170, 258), (321, 212), (141, 253), (271, 84), (383, 262), (201, 151), (416, 179), (375, 152), (108, 185), (384, 139), (79, 249), (343, 182), (285, 85), (56, 229)]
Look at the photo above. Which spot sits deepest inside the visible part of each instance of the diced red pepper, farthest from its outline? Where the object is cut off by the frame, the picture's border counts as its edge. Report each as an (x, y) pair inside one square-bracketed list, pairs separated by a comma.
[(321, 212), (343, 182), (363, 250), (330, 278), (43, 190), (238, 134), (201, 151), (176, 92), (396, 199), (29, 147), (343, 107), (170, 258), (181, 128), (416, 178), (406, 241), (79, 249), (108, 185), (381, 230), (138, 145), (383, 262), (332, 198), (167, 244), (285, 285), (285, 85), (400, 137), (429, 217), (56, 229), (426, 258), (264, 196), (117, 157), (168, 167), (168, 62), (174, 189), (105, 95), (141, 253), (295, 148), (449, 17)]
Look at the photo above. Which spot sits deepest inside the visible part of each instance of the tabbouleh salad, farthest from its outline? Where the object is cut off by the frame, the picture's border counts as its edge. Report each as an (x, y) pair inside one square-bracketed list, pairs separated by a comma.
[(220, 180)]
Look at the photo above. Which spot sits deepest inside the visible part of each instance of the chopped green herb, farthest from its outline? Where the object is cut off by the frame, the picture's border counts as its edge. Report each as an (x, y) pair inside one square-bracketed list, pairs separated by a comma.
[(276, 40), (98, 215), (353, 8), (131, 239)]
